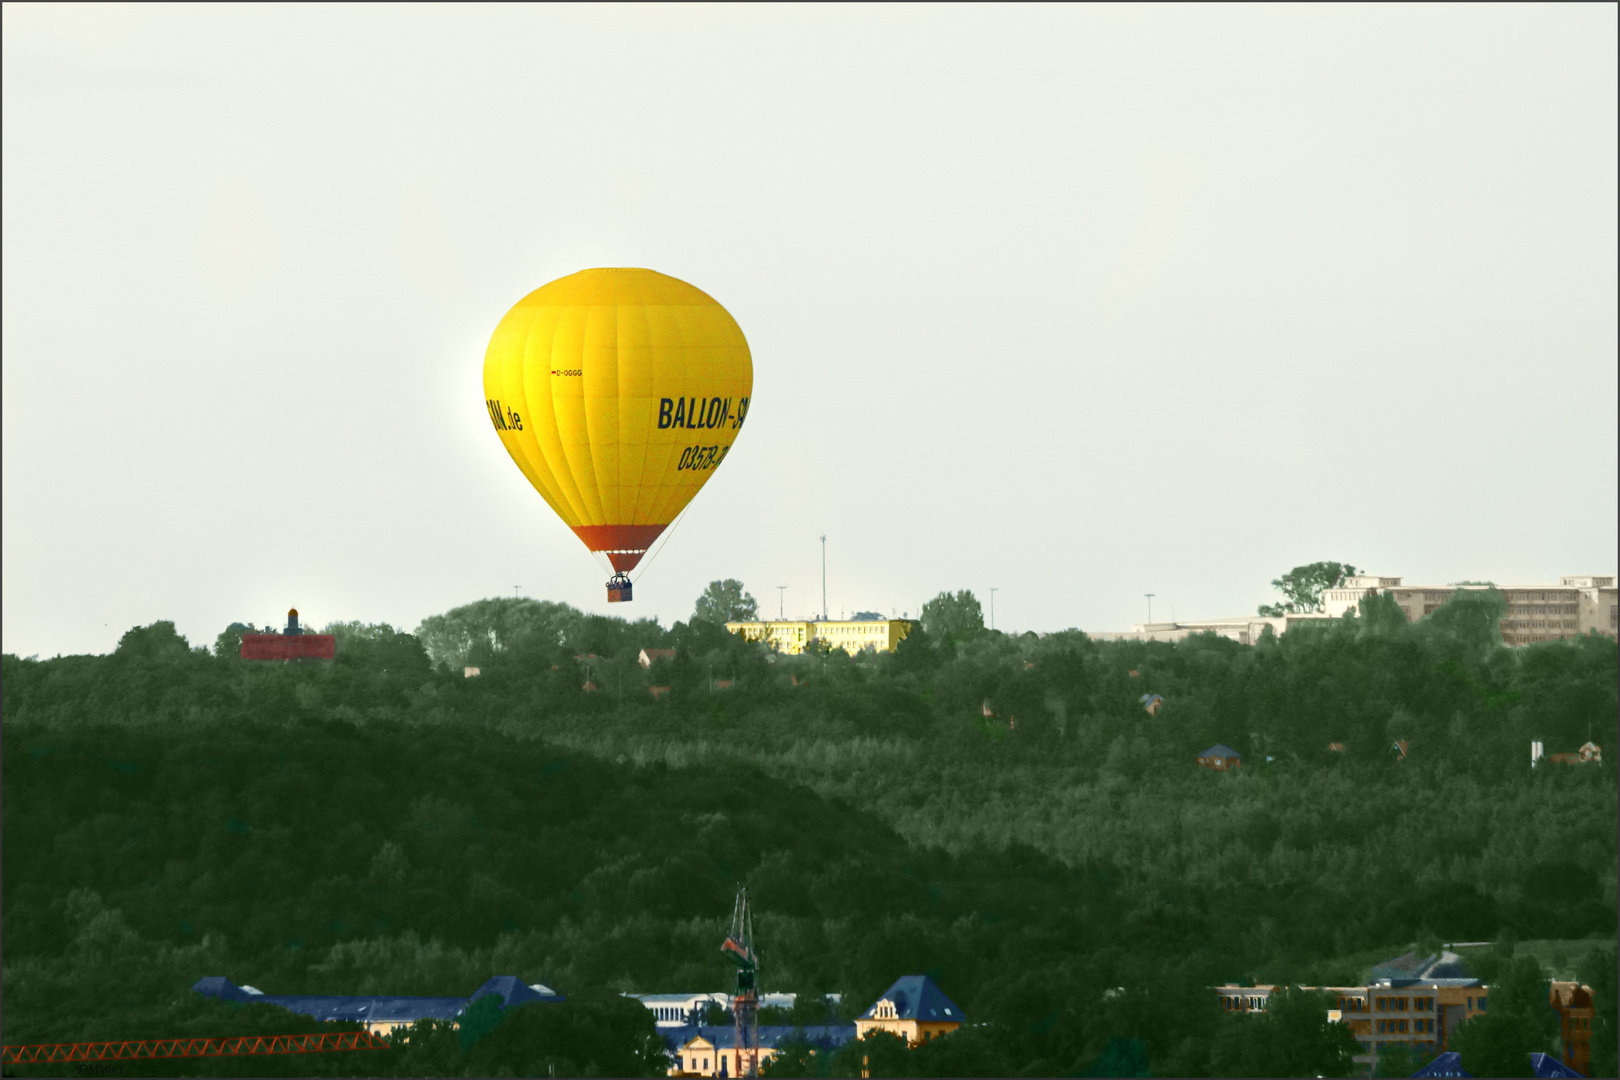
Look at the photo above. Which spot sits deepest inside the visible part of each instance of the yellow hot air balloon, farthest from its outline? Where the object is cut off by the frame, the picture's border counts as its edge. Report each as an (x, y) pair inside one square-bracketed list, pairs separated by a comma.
[(618, 392)]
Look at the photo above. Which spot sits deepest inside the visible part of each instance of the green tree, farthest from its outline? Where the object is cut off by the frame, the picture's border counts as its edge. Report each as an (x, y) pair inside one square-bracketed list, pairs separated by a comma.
[(795, 1056), (1469, 621), (1597, 970), (378, 646), (958, 616), (1518, 1022), (1121, 1057), (1398, 1059), (1302, 587), (229, 641), (725, 601), (1305, 1042), (1293, 1037), (591, 1034), (881, 1053), (479, 632), (152, 644)]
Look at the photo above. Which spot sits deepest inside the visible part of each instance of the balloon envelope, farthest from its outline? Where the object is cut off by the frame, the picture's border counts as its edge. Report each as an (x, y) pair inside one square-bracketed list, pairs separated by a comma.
[(618, 392)]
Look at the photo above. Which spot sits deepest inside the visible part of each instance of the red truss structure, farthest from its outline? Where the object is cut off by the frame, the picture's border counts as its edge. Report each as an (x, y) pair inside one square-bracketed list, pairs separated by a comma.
[(237, 1046)]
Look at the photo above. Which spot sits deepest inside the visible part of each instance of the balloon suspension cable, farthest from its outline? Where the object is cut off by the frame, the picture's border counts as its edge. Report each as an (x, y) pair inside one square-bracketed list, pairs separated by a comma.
[(641, 567)]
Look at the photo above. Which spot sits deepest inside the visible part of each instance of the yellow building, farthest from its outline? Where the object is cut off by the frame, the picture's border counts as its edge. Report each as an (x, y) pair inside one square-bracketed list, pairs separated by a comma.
[(1412, 1000), (712, 1051), (852, 635), (913, 1008)]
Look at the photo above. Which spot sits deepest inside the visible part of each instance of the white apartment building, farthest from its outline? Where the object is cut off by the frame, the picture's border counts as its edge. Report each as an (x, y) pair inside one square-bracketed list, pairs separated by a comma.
[(1578, 604), (684, 1010)]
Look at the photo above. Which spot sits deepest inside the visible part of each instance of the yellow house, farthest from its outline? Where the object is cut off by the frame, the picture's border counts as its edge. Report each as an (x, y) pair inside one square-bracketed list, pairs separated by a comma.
[(712, 1051), (699, 1056), (851, 635), (913, 1008)]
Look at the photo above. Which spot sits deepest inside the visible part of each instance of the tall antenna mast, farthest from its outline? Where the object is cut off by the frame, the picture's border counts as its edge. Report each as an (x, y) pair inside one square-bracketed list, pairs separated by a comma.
[(824, 578)]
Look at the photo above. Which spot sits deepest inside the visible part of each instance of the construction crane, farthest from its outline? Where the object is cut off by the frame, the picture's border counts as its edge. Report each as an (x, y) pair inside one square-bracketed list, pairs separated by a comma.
[(144, 1049), (739, 949)]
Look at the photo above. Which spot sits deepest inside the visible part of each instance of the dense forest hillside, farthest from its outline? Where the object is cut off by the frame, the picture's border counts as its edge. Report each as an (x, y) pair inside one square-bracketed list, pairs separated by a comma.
[(999, 812)]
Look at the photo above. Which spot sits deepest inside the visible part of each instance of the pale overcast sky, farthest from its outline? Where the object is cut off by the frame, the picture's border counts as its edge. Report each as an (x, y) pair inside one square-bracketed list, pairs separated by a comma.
[(1079, 303)]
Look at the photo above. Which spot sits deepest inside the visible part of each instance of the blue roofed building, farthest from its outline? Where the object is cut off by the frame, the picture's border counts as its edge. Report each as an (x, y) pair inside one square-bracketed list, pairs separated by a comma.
[(913, 1008), (1221, 758), (1450, 1064), (1549, 1065), (1447, 1064), (380, 1013)]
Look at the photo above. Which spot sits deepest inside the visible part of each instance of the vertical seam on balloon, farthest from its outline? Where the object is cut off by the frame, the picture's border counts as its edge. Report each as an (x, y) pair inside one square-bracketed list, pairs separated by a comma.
[(645, 336), (646, 508), (586, 466), (553, 480), (537, 473), (581, 507), (659, 504), (603, 496), (556, 481), (671, 486)]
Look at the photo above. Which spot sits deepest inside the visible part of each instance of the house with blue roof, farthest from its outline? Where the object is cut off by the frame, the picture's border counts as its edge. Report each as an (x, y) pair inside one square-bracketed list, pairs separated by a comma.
[(381, 1013), (1450, 1064), (1447, 1064), (913, 1008), (1221, 758)]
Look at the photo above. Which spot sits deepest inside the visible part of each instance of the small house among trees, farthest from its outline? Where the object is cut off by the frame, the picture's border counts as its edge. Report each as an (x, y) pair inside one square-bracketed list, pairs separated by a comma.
[(1589, 752), (649, 655), (1221, 758)]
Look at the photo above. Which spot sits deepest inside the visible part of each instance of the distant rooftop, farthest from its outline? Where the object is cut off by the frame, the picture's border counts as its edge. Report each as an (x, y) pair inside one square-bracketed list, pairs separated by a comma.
[(1444, 968)]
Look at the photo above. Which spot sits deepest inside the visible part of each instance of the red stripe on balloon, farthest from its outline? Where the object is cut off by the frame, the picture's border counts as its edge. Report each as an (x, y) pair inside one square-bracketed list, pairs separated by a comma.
[(624, 545)]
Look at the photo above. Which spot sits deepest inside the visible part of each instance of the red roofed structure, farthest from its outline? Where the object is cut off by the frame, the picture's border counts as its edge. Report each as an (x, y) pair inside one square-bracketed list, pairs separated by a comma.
[(294, 644)]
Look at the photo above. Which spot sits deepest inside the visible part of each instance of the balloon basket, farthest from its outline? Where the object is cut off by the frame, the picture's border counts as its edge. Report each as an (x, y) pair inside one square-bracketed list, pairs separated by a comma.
[(618, 588)]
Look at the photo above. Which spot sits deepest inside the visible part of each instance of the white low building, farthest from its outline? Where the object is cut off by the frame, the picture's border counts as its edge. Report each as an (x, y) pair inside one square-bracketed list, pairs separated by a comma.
[(681, 1010), (1577, 605)]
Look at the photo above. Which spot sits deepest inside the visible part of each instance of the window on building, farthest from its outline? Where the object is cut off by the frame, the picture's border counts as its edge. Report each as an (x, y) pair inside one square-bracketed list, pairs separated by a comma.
[(1482, 1004)]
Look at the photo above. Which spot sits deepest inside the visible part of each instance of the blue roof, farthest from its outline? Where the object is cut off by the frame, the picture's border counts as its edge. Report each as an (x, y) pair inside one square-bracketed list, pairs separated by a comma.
[(1220, 749), (1410, 969), (218, 986), (1547, 1065), (1447, 1064), (827, 1036), (916, 997), (513, 991), (368, 1010), (377, 1008), (1408, 965)]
